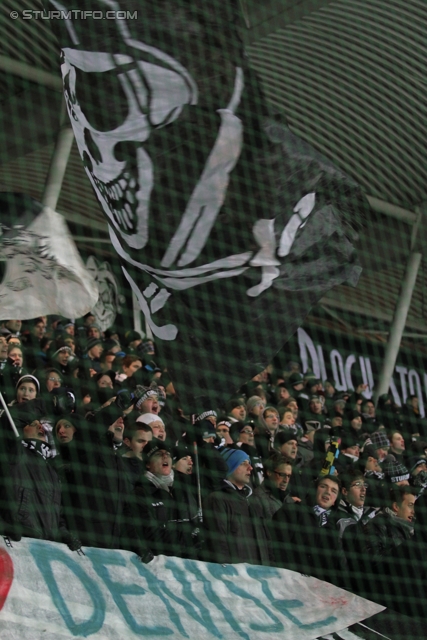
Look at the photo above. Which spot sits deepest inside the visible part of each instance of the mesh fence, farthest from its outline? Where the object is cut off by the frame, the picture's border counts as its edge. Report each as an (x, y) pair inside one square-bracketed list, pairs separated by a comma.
[(218, 402)]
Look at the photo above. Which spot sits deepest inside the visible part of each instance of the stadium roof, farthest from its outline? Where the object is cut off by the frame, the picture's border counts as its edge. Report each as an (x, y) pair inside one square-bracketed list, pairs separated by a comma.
[(350, 76)]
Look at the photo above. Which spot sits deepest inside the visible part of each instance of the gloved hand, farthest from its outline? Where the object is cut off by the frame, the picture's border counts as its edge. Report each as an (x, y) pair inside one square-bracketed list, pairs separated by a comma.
[(11, 532), (73, 543), (197, 539), (147, 556)]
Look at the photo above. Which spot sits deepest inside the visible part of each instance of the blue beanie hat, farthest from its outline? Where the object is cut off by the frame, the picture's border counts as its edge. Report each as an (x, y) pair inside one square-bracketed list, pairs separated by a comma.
[(234, 458)]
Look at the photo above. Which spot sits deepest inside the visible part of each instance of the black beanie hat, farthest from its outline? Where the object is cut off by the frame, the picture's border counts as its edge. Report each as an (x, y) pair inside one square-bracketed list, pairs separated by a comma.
[(180, 451), (25, 412), (205, 428), (284, 436), (352, 414), (110, 373), (153, 447), (130, 336), (349, 439), (233, 403), (210, 413), (92, 342), (295, 379), (415, 461)]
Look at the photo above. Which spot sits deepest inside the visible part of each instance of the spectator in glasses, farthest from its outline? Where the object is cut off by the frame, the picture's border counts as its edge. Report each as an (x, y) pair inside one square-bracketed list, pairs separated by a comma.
[(53, 379), (274, 491), (352, 509)]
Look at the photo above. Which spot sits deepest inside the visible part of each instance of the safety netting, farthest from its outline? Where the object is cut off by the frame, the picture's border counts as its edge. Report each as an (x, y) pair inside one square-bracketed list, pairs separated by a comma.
[(191, 354)]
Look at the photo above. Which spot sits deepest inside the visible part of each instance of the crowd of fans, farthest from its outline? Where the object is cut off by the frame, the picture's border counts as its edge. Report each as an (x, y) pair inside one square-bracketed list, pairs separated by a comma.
[(288, 472)]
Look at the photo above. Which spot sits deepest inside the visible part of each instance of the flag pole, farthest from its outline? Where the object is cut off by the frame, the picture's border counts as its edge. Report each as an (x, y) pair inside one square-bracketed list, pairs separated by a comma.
[(196, 456), (58, 162), (9, 417), (199, 491)]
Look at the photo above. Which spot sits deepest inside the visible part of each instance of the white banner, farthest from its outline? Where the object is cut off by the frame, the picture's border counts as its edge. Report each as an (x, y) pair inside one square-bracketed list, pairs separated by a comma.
[(44, 272), (49, 592)]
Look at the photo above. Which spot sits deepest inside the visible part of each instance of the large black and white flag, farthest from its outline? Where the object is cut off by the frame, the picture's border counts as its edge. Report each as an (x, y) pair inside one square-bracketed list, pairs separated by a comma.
[(228, 227), (43, 272)]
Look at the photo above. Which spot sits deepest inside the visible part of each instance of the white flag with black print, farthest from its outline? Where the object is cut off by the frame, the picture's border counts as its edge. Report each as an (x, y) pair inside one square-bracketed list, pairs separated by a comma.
[(43, 273)]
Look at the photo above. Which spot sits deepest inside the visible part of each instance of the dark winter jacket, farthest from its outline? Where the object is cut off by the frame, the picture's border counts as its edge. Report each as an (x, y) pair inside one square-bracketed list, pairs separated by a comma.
[(346, 517), (31, 503), (213, 468), (385, 533), (305, 450), (378, 493), (302, 543), (235, 530), (185, 495), (269, 499), (97, 492), (302, 477), (9, 376), (161, 523), (135, 469), (385, 564), (412, 423), (263, 443)]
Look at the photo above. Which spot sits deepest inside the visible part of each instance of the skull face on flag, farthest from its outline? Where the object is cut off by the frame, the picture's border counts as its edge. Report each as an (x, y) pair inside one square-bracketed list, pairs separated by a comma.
[(155, 96), (201, 186)]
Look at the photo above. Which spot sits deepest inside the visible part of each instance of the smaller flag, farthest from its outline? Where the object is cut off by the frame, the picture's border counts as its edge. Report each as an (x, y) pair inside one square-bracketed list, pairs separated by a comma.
[(44, 272)]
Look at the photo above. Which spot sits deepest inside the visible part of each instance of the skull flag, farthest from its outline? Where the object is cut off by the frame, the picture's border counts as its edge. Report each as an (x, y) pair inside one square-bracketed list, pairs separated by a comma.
[(44, 272), (228, 227)]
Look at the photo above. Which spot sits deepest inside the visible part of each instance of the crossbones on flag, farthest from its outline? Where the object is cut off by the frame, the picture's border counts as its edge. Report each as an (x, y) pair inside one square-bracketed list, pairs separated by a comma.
[(227, 225), (44, 273)]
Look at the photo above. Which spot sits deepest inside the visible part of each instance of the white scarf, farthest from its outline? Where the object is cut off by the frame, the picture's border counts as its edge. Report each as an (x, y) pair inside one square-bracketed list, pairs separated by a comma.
[(358, 512), (161, 482)]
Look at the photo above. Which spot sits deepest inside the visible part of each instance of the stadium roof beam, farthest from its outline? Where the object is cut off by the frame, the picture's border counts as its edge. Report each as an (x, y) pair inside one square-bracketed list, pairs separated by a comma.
[(392, 210), (422, 336), (29, 72), (402, 307), (376, 313)]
